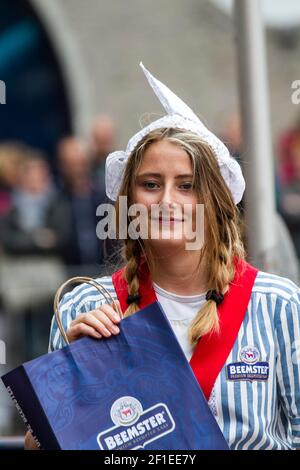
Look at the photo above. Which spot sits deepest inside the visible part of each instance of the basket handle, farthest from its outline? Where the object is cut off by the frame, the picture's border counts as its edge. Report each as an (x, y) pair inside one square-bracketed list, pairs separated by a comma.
[(76, 280)]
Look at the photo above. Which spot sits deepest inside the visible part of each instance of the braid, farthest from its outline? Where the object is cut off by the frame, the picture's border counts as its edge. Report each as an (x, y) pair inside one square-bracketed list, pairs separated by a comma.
[(222, 270), (133, 256), (207, 318)]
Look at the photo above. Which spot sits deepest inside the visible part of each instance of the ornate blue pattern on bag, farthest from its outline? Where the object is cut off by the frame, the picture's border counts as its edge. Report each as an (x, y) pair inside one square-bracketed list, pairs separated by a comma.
[(133, 390)]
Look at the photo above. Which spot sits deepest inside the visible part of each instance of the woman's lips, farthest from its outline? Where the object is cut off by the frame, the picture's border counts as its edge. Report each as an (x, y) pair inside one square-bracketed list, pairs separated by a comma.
[(168, 219)]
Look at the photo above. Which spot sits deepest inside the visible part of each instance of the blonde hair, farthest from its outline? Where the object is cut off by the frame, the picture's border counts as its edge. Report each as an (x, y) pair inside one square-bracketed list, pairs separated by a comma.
[(223, 243)]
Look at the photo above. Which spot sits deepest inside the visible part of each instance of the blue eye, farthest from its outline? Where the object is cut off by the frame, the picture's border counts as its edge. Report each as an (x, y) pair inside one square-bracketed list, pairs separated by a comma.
[(150, 185)]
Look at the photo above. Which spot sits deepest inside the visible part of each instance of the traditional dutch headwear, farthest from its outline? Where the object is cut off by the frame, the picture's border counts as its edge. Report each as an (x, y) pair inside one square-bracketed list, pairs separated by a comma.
[(180, 116)]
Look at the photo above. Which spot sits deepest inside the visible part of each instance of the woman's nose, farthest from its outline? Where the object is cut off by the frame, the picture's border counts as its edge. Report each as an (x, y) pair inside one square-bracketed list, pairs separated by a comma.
[(167, 196)]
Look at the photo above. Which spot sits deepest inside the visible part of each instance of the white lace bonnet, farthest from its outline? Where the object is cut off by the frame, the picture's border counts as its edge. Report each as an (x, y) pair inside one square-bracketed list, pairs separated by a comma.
[(178, 115)]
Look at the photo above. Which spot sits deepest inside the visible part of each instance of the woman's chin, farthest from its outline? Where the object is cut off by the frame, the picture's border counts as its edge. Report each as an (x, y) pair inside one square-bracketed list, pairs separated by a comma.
[(167, 243)]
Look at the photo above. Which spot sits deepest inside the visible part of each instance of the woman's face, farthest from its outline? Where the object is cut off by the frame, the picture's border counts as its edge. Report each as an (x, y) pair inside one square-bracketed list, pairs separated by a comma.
[(164, 179)]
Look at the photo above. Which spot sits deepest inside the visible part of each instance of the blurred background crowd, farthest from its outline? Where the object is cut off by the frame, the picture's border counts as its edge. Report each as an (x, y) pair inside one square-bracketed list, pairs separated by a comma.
[(48, 232), (74, 93), (48, 222)]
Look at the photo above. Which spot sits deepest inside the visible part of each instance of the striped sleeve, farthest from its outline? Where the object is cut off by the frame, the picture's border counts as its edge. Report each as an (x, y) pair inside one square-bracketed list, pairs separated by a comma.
[(287, 325), (81, 299)]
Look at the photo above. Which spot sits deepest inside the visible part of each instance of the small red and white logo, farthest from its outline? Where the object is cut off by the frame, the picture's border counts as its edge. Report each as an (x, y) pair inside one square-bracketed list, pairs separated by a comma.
[(249, 354), (126, 411)]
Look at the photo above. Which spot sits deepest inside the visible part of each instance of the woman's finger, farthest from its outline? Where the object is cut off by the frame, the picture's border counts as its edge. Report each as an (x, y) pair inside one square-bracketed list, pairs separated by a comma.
[(105, 320), (110, 313), (91, 320), (100, 324), (81, 329)]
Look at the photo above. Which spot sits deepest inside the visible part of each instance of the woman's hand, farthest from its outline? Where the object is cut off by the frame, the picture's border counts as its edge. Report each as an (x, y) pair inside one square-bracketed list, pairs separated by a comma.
[(98, 323), (30, 443)]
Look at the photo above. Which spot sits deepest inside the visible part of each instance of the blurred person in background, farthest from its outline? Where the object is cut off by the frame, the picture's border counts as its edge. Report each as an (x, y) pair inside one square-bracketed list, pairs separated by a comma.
[(11, 157), (232, 136), (290, 199), (288, 142), (103, 142), (81, 198), (26, 227), (32, 235), (287, 264)]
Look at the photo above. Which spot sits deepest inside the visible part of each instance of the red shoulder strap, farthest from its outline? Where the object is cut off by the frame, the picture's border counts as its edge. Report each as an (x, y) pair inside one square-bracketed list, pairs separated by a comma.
[(146, 290), (212, 350)]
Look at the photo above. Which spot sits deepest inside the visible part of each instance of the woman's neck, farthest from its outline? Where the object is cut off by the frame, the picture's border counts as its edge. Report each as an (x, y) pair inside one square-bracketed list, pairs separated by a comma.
[(178, 273)]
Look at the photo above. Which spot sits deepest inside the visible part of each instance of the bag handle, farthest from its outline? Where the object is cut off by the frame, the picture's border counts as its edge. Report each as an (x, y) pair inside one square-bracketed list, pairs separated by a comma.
[(75, 280)]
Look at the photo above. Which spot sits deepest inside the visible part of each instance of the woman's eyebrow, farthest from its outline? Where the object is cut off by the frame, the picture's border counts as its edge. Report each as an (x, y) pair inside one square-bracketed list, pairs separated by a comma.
[(188, 175), (142, 175), (159, 175)]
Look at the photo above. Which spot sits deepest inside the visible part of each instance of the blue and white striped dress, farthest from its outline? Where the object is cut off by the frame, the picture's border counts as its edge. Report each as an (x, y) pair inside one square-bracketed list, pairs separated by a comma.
[(251, 414)]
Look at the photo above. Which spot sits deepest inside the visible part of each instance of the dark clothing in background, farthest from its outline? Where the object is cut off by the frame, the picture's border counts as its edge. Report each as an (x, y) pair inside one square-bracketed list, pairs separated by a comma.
[(80, 221), (17, 240), (290, 210)]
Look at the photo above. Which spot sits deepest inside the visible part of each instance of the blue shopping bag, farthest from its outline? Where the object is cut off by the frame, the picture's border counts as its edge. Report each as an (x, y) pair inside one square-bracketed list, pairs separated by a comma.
[(135, 390)]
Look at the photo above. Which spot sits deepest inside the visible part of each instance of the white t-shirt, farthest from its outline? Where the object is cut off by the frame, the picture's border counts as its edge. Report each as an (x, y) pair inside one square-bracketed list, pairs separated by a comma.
[(180, 311)]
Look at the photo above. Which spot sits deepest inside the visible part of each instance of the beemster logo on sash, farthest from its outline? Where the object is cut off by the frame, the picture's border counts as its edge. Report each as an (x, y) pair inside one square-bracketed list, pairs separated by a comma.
[(134, 428)]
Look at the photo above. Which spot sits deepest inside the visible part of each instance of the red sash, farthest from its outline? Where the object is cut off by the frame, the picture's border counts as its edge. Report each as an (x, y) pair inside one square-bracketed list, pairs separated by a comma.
[(213, 349)]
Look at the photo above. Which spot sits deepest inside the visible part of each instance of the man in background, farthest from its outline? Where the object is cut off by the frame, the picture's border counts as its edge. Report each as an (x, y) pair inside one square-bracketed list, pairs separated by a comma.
[(81, 199), (103, 141)]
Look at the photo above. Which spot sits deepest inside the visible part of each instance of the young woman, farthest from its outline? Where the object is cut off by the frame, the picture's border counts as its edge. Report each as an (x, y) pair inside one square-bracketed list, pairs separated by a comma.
[(238, 327)]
